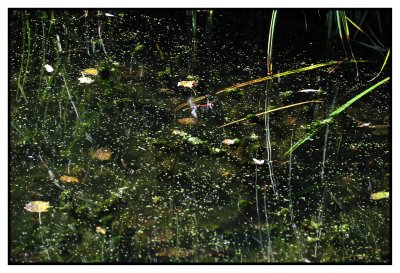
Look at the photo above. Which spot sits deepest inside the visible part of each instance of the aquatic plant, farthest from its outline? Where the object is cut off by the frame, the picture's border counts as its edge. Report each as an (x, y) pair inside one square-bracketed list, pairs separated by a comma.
[(172, 187)]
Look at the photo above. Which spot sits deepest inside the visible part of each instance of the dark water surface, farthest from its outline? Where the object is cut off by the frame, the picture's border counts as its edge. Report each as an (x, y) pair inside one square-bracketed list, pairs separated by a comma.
[(179, 188)]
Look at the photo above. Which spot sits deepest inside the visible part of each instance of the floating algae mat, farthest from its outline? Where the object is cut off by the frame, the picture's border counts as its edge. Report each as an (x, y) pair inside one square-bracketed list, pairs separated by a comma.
[(156, 136)]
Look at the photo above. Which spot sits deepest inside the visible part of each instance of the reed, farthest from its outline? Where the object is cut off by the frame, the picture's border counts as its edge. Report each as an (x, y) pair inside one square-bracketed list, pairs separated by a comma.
[(267, 132), (324, 183), (270, 41), (266, 103), (100, 33), (290, 196), (258, 216), (26, 41), (194, 42)]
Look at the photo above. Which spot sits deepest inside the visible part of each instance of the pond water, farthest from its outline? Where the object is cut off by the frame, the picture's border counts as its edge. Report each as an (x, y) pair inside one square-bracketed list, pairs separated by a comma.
[(145, 132)]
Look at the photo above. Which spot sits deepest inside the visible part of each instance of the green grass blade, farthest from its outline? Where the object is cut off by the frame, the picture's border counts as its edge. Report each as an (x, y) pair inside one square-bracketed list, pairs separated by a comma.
[(375, 47), (22, 91), (355, 25), (329, 23), (339, 24), (345, 25), (318, 125), (350, 102)]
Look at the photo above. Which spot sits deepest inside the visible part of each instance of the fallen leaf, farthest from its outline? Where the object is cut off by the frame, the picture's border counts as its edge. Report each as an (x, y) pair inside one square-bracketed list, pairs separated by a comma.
[(380, 195), (48, 68), (37, 206), (86, 80), (69, 179), (258, 162), (101, 154), (90, 72), (100, 230), (188, 84), (187, 121)]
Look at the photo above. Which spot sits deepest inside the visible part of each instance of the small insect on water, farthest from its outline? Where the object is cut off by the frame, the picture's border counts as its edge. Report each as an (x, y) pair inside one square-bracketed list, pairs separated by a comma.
[(203, 107)]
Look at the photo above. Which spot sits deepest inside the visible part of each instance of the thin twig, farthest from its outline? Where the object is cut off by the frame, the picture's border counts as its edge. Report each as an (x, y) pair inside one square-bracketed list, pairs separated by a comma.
[(270, 111)]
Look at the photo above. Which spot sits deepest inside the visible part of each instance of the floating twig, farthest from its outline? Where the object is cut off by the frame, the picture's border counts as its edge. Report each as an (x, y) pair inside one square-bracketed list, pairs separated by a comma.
[(269, 111)]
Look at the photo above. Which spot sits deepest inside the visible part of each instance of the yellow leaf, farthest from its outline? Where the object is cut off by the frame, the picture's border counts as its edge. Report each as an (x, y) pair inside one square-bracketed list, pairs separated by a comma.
[(90, 72), (100, 230), (187, 121), (69, 179), (101, 154), (188, 84), (380, 195), (37, 206), (155, 199)]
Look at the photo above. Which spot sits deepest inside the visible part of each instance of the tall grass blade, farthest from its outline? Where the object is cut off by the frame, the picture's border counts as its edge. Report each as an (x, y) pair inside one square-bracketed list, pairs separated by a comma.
[(329, 23), (339, 26), (383, 66), (323, 182), (347, 32)]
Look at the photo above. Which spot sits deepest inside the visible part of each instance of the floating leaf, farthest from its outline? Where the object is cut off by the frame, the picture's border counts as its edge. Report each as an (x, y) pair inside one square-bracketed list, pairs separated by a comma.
[(90, 72), (85, 79), (69, 179), (187, 121), (101, 154), (195, 140), (37, 206), (188, 84), (380, 195), (179, 133), (155, 199), (228, 141), (100, 230), (258, 162), (48, 68)]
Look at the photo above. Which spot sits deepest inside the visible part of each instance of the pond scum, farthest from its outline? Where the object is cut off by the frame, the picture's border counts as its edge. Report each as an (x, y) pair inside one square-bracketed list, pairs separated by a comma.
[(200, 136)]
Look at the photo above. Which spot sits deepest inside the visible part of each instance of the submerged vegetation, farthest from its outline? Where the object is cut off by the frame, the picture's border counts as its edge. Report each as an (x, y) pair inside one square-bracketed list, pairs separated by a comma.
[(200, 136)]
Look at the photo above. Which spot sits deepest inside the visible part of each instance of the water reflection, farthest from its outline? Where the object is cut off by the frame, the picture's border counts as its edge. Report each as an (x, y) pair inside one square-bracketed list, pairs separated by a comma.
[(119, 120)]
